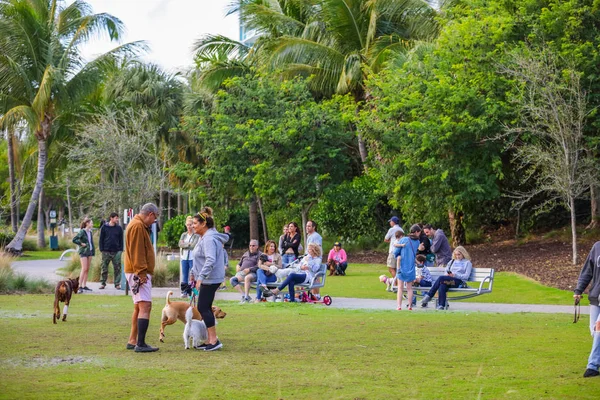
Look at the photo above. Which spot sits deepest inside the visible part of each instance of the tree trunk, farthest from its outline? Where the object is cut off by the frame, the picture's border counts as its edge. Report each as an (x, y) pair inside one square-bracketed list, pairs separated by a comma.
[(594, 207), (14, 217), (179, 203), (457, 230), (168, 205), (362, 149), (41, 239), (16, 245), (185, 203), (263, 219), (253, 220), (69, 209), (161, 207), (573, 228)]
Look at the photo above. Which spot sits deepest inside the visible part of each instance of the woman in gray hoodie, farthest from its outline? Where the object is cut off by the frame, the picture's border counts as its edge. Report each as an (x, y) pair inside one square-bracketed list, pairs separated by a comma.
[(209, 271)]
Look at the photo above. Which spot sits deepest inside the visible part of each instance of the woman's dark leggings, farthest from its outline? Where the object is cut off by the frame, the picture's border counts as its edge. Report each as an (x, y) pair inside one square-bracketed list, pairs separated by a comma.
[(206, 295)]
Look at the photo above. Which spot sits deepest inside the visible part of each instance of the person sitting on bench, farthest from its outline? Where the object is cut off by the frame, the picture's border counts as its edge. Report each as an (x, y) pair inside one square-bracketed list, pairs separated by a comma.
[(310, 264), (458, 271)]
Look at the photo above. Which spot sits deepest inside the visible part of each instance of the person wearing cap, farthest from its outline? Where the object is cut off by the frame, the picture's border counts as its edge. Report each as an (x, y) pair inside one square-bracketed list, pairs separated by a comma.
[(339, 256), (389, 236), (139, 268), (227, 231)]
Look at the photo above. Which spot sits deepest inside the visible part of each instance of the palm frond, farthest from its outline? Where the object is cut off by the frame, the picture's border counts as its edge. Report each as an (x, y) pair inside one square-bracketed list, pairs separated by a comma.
[(17, 114), (43, 96), (218, 48)]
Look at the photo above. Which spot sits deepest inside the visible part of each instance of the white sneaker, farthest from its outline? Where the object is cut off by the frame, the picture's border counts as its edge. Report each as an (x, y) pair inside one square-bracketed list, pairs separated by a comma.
[(183, 295), (244, 300)]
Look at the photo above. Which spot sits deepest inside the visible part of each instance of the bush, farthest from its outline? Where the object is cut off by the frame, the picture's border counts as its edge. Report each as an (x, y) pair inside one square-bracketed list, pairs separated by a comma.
[(11, 282), (6, 235), (354, 211), (172, 230)]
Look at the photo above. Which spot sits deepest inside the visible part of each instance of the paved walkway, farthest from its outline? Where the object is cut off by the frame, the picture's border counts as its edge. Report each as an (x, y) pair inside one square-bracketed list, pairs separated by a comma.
[(47, 269)]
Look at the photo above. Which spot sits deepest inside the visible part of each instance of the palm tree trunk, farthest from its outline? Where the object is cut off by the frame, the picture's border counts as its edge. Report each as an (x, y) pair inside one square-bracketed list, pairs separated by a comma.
[(362, 149), (14, 216), (70, 210), (41, 240), (168, 205), (16, 245), (179, 206)]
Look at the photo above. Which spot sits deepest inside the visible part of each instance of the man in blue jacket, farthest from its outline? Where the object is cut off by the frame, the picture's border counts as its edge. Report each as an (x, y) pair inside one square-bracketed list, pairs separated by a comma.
[(111, 246), (590, 275)]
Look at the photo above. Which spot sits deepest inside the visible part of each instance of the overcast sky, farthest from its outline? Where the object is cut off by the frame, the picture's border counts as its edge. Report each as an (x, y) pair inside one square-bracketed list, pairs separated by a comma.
[(169, 26)]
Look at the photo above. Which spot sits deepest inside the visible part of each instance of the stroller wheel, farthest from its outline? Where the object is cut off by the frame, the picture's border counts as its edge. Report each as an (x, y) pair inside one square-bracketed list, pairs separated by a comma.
[(327, 300)]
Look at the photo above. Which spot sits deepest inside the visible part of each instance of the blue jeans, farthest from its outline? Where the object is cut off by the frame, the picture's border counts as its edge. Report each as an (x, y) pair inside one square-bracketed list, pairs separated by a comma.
[(594, 360), (263, 279), (287, 259), (186, 266), (292, 279), (443, 283), (422, 284)]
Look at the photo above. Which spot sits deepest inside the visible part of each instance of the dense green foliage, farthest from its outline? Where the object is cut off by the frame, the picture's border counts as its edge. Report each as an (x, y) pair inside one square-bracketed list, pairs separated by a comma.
[(172, 230)]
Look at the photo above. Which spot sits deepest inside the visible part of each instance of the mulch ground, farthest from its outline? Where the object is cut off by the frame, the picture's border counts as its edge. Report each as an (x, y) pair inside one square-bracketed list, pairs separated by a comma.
[(545, 260)]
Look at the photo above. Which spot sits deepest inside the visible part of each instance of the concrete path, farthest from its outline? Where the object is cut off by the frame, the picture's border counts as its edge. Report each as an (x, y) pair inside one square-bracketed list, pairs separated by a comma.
[(46, 269)]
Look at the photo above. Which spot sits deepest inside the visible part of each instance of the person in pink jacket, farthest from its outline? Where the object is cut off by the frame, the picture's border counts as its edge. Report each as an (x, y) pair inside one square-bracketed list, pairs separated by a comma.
[(339, 256)]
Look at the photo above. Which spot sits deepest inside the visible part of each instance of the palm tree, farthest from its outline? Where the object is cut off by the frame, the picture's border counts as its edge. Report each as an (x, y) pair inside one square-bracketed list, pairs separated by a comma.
[(348, 39), (335, 42), (43, 74)]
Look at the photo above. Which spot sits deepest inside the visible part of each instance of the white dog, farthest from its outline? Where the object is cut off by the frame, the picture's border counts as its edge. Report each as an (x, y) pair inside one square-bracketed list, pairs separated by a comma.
[(194, 329), (388, 281)]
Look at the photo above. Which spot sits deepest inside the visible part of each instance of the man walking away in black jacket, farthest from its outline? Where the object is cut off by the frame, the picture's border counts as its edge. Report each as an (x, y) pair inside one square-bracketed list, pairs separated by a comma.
[(111, 246), (590, 273)]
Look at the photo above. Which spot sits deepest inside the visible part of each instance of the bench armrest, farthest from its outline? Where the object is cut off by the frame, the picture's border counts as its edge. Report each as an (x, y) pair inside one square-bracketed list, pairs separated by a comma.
[(487, 278)]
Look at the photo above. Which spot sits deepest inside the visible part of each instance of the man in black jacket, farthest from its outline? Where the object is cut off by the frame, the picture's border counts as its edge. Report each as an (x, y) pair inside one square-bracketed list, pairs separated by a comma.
[(111, 246), (591, 273)]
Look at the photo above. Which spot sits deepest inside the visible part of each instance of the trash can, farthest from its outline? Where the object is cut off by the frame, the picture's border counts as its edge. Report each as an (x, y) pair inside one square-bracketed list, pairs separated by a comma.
[(53, 242)]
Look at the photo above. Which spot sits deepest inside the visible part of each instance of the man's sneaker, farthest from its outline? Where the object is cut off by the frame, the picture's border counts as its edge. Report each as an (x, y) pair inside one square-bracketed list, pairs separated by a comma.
[(102, 286), (117, 287), (441, 308), (425, 300), (213, 347), (80, 291), (245, 300), (145, 349), (590, 372), (202, 346), (87, 289)]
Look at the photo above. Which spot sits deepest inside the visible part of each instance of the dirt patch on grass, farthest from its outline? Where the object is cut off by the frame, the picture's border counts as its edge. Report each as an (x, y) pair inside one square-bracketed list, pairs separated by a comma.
[(42, 362), (546, 260)]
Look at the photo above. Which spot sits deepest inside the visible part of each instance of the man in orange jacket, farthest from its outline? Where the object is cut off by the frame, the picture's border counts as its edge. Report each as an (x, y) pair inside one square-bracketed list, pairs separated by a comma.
[(139, 268)]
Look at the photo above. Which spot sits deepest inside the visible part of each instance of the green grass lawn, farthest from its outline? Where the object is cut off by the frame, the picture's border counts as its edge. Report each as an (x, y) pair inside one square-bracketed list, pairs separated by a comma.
[(40, 255), (362, 281), (292, 351)]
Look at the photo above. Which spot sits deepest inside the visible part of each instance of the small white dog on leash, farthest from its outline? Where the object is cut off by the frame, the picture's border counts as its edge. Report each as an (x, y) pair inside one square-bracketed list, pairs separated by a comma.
[(388, 281), (194, 329)]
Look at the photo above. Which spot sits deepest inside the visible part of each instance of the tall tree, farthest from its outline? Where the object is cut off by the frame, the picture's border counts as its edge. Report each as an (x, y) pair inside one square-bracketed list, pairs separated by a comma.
[(43, 74)]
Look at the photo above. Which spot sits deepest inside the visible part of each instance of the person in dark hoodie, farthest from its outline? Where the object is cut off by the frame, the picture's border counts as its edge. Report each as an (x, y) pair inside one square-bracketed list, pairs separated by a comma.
[(111, 245), (590, 275), (208, 270)]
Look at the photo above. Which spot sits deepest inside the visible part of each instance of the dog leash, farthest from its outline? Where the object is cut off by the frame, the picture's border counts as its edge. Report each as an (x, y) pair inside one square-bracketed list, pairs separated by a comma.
[(577, 310)]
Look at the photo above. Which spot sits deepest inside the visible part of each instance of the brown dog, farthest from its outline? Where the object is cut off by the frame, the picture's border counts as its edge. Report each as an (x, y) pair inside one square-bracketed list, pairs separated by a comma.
[(63, 292), (331, 267), (174, 311)]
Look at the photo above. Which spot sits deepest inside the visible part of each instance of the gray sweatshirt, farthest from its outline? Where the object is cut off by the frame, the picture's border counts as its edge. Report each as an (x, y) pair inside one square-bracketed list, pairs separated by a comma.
[(210, 257), (590, 272), (441, 247)]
